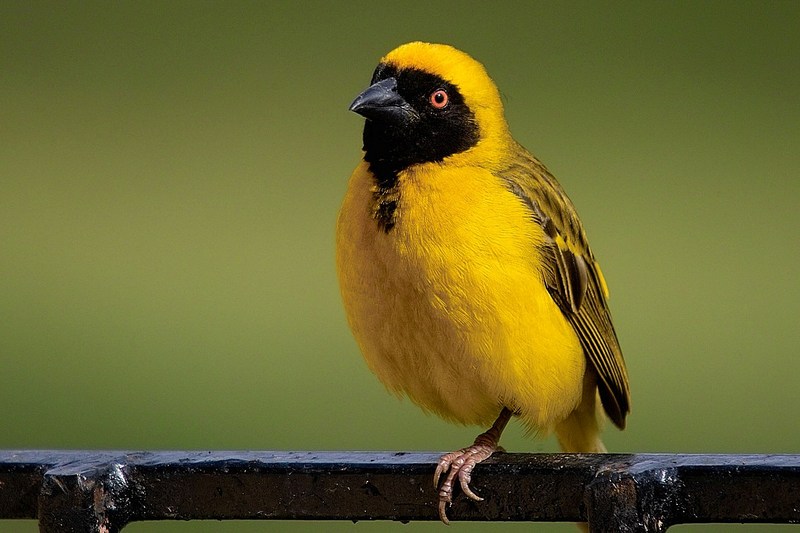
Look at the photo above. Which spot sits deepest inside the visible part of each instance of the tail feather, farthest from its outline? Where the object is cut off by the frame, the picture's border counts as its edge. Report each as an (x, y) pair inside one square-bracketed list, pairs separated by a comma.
[(580, 431)]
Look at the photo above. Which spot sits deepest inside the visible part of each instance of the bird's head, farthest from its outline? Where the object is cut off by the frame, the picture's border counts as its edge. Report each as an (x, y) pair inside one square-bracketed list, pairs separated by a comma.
[(428, 102)]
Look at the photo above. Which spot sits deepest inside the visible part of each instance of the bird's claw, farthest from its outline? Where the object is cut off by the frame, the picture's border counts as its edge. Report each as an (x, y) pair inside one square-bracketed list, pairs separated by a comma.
[(459, 465)]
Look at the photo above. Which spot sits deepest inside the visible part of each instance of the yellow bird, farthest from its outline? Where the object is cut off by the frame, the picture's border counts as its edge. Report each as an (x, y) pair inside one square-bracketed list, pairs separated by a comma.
[(465, 272)]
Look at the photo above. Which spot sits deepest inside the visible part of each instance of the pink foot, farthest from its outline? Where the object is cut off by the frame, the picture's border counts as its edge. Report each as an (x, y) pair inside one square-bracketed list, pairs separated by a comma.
[(461, 463)]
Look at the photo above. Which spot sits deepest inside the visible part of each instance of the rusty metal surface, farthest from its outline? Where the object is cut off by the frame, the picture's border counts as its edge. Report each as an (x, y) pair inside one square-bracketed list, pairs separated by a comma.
[(86, 491)]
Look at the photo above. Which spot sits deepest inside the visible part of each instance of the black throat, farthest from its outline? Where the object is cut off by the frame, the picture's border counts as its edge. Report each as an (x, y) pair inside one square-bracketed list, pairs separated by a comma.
[(391, 146)]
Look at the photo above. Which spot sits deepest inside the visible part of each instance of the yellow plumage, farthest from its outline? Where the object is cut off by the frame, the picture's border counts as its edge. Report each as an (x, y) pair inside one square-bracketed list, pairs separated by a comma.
[(478, 291), (450, 308)]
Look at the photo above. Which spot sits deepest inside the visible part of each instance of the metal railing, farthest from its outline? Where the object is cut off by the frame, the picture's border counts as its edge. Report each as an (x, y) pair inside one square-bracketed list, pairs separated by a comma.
[(102, 491)]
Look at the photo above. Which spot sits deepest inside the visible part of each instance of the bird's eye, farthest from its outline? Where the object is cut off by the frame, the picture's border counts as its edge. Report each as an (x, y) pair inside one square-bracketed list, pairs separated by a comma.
[(439, 99)]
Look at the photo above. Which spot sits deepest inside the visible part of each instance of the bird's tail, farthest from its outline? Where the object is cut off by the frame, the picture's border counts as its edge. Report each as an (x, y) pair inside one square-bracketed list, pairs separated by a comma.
[(580, 431)]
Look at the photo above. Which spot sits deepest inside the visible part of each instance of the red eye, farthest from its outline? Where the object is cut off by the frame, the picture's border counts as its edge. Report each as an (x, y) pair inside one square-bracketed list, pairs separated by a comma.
[(439, 99)]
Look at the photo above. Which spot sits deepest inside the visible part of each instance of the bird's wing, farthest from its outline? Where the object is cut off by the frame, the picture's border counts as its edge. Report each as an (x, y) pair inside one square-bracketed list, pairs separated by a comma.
[(573, 278)]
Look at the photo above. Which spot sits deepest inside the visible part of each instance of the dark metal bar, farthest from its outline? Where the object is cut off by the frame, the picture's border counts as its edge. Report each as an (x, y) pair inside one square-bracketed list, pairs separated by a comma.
[(101, 492)]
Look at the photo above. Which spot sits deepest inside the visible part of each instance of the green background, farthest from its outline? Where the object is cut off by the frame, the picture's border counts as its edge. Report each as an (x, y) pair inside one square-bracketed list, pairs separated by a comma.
[(170, 174)]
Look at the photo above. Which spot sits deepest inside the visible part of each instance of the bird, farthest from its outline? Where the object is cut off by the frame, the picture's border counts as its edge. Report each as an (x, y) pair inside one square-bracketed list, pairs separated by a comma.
[(465, 273)]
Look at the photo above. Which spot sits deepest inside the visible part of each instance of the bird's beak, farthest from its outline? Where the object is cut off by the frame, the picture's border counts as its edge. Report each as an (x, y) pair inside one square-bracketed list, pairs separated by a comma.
[(381, 102)]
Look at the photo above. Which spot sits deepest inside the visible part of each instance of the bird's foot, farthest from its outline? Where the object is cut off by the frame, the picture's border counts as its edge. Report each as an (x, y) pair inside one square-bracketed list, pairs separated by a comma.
[(459, 464)]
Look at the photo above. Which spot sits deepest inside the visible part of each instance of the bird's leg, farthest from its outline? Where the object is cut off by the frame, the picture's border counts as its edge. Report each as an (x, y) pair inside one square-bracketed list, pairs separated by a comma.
[(461, 463)]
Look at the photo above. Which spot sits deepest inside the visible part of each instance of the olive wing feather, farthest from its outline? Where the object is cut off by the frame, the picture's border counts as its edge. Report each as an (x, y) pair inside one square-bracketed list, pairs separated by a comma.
[(573, 277)]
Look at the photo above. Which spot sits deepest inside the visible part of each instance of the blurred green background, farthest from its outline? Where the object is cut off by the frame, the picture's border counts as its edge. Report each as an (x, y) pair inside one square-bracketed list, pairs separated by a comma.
[(170, 174)]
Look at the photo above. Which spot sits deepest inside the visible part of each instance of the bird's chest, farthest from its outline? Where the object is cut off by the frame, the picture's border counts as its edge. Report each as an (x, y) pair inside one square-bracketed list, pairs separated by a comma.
[(433, 254), (428, 297)]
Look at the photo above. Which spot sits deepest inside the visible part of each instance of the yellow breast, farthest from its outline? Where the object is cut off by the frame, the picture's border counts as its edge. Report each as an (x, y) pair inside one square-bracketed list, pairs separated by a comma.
[(449, 306)]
